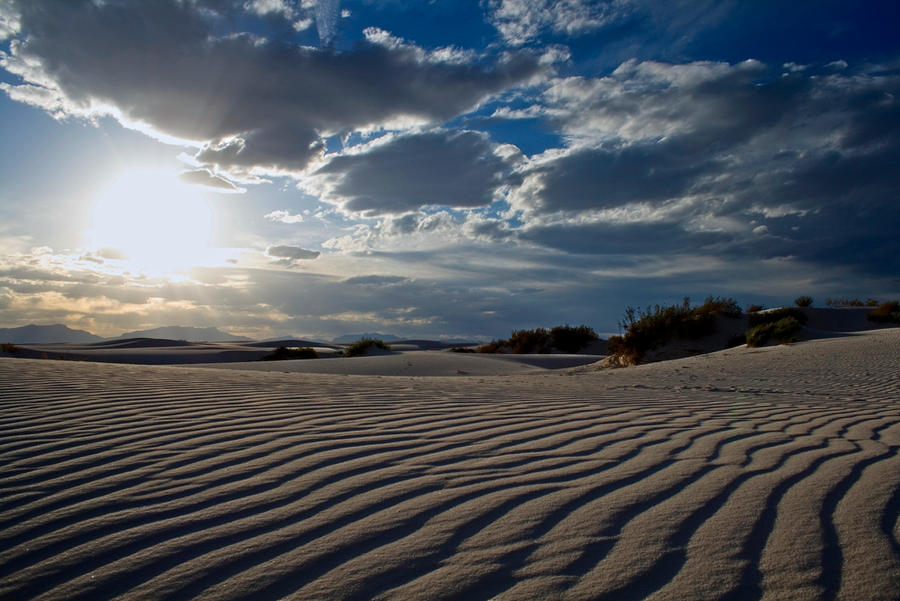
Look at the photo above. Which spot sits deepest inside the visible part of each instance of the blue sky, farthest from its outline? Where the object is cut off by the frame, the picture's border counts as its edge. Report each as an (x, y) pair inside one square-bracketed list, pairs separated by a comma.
[(427, 169)]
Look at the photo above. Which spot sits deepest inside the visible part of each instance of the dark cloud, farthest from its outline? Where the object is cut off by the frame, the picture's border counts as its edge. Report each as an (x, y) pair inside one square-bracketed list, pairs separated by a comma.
[(376, 280), (602, 178), (289, 255), (203, 177), (439, 168), (257, 103)]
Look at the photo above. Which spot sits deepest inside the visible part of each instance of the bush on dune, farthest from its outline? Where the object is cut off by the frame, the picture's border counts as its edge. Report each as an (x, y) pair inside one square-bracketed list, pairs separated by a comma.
[(654, 326), (782, 330), (361, 346), (888, 312), (803, 301), (767, 317), (850, 302), (283, 353), (572, 339), (565, 338), (8, 347), (523, 342)]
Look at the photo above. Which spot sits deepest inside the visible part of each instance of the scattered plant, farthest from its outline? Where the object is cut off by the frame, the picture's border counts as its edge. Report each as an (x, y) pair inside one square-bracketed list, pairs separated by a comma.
[(803, 301), (526, 341), (361, 346), (767, 317), (494, 346), (569, 339), (8, 347), (572, 339), (848, 302), (462, 349), (755, 308), (888, 312), (282, 353), (654, 326), (783, 330)]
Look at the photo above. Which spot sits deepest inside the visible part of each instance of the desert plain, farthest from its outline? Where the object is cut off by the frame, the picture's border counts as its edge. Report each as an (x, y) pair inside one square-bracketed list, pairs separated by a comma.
[(748, 473)]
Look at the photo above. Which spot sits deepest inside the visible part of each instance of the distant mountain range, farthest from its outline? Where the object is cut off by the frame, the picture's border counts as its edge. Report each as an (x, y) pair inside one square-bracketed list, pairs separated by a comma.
[(35, 334), (354, 337), (183, 333), (46, 335)]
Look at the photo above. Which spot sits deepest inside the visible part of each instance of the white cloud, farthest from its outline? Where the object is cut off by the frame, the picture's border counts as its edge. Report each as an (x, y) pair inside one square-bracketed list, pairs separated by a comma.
[(283, 216), (520, 21)]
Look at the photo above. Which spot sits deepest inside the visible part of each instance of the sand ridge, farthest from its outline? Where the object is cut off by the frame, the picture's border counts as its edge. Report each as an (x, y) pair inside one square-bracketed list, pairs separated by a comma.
[(766, 473)]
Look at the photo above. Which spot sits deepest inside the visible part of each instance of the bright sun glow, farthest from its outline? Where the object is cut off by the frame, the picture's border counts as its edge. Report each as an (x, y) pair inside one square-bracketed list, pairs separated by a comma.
[(159, 223)]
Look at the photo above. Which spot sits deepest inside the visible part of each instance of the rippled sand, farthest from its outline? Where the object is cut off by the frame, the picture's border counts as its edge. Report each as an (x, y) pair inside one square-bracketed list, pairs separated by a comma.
[(750, 473)]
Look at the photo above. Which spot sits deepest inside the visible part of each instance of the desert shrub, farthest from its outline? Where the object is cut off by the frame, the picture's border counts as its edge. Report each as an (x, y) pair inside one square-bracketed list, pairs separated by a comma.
[(647, 329), (462, 349), (766, 317), (803, 301), (848, 302), (871, 302), (572, 339), (565, 338), (755, 308), (283, 352), (783, 330), (527, 341), (888, 312), (8, 347), (361, 346), (494, 346)]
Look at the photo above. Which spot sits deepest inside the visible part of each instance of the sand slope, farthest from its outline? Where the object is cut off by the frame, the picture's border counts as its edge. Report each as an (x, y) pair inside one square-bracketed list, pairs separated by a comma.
[(746, 474)]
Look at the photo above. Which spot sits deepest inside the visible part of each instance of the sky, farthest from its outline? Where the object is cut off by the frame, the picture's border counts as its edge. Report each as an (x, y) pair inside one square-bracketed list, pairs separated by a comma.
[(440, 168)]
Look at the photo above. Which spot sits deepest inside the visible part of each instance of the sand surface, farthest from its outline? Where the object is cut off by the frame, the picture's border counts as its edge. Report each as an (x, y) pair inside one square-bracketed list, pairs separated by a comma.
[(767, 473)]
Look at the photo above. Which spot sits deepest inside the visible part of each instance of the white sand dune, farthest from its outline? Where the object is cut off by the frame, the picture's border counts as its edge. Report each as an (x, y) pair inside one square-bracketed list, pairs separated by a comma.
[(769, 473), (418, 363)]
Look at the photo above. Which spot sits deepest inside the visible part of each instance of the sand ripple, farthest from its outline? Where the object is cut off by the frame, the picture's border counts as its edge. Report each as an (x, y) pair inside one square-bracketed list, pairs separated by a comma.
[(753, 474)]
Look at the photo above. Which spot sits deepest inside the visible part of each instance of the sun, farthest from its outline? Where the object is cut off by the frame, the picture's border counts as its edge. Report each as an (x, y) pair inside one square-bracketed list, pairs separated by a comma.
[(160, 224)]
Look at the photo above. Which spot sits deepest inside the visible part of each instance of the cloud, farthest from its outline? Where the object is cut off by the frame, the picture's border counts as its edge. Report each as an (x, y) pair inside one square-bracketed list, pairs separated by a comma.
[(203, 177), (289, 255), (283, 216), (603, 178), (712, 155), (397, 174), (521, 21), (376, 280), (176, 69)]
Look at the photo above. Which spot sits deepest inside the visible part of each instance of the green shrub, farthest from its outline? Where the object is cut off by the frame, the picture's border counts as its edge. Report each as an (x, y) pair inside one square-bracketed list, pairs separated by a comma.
[(652, 327), (755, 308), (760, 318), (566, 338), (8, 347), (803, 301), (361, 346), (523, 342), (572, 339), (888, 312), (462, 349), (783, 330), (871, 302), (494, 346), (282, 353)]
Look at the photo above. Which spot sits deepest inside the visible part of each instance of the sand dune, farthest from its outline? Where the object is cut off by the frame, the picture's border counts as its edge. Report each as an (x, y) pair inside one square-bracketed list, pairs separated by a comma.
[(767, 473)]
